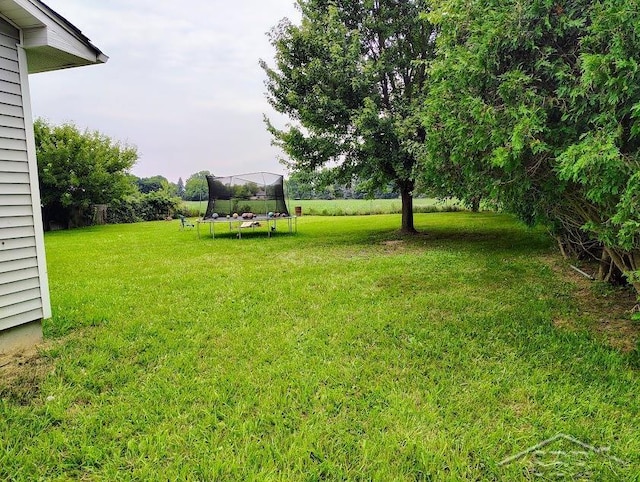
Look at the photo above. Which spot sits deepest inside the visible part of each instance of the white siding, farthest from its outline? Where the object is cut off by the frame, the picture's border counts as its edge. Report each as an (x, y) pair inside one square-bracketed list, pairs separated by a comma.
[(21, 287)]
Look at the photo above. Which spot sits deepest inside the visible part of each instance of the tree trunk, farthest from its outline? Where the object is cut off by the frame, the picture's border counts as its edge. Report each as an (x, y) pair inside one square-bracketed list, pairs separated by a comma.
[(475, 204), (406, 195), (606, 267), (625, 263), (560, 242)]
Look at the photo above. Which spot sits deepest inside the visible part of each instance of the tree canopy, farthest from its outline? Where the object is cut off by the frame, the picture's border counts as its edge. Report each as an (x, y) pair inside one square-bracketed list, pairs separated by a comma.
[(531, 106), (196, 187), (535, 105), (78, 169), (180, 190), (151, 184), (351, 77)]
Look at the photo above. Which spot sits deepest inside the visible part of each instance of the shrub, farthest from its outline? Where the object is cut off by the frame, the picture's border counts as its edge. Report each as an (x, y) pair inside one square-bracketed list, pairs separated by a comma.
[(123, 211), (188, 211), (152, 206)]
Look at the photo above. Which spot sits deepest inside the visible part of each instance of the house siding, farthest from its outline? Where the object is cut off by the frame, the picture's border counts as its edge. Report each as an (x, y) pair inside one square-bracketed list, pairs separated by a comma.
[(21, 289)]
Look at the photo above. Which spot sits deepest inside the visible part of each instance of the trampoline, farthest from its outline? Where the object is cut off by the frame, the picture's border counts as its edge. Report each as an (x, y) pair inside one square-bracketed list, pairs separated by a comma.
[(247, 201)]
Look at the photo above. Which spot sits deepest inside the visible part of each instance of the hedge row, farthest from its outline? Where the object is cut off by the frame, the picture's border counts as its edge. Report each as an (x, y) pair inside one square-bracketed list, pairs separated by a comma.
[(152, 206)]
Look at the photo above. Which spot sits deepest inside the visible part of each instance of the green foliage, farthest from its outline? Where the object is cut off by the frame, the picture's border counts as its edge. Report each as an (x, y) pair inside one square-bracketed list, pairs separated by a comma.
[(322, 184), (196, 187), (244, 191), (151, 184), (343, 207), (351, 77), (191, 209), (300, 185), (605, 162), (152, 206), (626, 220), (494, 116), (180, 189), (78, 169), (534, 106)]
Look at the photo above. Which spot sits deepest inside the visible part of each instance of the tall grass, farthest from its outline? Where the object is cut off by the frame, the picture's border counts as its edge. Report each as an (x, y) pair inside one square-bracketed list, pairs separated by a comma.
[(345, 352)]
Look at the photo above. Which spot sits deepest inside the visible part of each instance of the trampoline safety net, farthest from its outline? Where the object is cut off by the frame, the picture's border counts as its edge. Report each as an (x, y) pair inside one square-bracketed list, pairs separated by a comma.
[(258, 193)]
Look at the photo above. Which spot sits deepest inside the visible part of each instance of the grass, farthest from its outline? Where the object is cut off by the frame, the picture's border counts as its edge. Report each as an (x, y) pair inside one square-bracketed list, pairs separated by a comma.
[(345, 352), (352, 207)]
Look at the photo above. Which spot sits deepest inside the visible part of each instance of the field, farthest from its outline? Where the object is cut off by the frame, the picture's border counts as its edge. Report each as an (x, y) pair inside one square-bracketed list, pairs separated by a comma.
[(344, 352), (349, 207)]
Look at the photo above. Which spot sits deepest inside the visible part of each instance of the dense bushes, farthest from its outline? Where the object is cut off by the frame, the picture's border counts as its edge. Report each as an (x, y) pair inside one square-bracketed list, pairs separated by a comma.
[(81, 172), (79, 169), (152, 206), (535, 106)]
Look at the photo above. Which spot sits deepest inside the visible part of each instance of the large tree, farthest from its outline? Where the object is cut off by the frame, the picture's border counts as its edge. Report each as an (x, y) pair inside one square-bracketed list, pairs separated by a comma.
[(536, 105), (152, 184), (196, 187), (180, 189), (351, 77), (78, 169)]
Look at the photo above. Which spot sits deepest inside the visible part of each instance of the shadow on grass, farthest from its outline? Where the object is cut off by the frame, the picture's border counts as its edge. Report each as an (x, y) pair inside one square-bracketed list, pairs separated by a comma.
[(485, 233), (457, 230)]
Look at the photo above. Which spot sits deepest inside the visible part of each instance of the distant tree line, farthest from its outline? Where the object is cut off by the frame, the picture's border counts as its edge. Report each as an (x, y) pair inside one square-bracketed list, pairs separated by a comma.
[(322, 185)]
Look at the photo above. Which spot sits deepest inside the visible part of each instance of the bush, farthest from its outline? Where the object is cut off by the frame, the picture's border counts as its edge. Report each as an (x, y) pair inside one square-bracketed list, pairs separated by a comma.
[(123, 211), (188, 211), (152, 206)]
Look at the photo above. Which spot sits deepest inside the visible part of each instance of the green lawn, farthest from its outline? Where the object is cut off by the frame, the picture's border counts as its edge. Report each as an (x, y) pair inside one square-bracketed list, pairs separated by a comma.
[(345, 352), (349, 207)]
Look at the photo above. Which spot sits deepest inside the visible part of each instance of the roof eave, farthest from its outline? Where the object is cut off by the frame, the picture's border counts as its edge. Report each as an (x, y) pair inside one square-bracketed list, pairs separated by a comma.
[(51, 42)]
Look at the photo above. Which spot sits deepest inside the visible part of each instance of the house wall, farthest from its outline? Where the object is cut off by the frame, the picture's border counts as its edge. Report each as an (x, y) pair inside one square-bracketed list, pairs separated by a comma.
[(24, 298)]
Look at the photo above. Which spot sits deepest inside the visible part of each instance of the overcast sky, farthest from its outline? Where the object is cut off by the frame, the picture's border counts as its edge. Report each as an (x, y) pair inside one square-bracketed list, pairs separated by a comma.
[(182, 82)]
